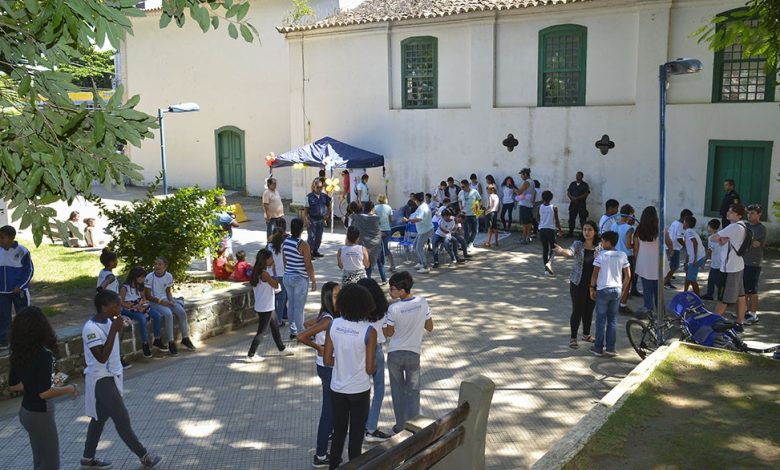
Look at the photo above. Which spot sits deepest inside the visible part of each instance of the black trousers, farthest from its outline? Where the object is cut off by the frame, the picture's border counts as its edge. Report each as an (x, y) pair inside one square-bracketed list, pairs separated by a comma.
[(264, 319), (547, 237), (581, 307), (577, 211), (349, 411)]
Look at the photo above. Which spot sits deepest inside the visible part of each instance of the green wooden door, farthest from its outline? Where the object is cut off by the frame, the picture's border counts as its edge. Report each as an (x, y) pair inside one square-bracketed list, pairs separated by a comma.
[(747, 163), (230, 159)]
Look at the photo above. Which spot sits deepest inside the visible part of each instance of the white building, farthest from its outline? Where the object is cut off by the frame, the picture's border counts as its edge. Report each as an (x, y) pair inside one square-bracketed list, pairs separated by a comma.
[(436, 86)]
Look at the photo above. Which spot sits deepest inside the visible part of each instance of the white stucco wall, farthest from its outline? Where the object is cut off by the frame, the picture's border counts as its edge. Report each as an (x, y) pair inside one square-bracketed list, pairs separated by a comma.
[(487, 89), (235, 83)]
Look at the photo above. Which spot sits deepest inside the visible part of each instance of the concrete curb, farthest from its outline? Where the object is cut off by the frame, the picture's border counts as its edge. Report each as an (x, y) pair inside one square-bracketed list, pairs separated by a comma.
[(575, 439)]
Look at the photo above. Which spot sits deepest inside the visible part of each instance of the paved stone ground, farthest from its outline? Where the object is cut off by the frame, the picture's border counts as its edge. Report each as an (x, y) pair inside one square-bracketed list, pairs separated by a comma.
[(497, 316)]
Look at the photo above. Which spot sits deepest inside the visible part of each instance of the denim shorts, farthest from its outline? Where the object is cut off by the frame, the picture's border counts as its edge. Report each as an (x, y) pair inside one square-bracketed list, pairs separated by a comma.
[(693, 269), (674, 260)]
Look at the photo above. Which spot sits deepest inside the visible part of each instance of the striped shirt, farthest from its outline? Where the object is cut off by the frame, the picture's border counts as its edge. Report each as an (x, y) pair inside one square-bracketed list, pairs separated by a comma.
[(293, 259)]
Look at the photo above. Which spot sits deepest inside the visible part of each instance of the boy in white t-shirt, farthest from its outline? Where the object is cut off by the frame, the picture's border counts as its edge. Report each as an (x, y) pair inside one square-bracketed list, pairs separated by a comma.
[(696, 254), (611, 278), (732, 266), (443, 236), (610, 217), (103, 382), (406, 320), (713, 253), (675, 243)]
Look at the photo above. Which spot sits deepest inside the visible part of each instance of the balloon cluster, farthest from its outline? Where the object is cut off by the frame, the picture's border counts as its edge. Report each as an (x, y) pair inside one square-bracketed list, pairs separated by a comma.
[(332, 185), (299, 166), (328, 163), (270, 159)]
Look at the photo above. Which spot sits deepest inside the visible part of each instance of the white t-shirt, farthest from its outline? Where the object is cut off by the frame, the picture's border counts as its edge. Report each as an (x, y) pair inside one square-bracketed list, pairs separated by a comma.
[(730, 261), (113, 286), (278, 270), (319, 339), (378, 325), (507, 195), (408, 318), (444, 225), (690, 236), (349, 350), (715, 248), (363, 188), (423, 213), (676, 233), (352, 257), (159, 284), (131, 293), (94, 334), (606, 223), (611, 264), (493, 203), (547, 216), (264, 297)]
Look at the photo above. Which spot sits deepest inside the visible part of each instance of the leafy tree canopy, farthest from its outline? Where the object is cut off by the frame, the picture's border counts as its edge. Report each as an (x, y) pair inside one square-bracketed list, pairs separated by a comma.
[(50, 148), (756, 28), (93, 68)]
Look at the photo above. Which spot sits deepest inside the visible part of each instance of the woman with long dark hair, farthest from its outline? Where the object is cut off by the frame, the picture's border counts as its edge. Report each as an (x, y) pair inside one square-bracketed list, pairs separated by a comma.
[(646, 253), (507, 202), (583, 251), (264, 287), (33, 344), (298, 272), (274, 245)]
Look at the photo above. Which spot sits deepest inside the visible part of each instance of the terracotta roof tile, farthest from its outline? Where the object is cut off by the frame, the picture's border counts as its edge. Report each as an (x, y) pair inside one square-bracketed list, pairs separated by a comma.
[(379, 11)]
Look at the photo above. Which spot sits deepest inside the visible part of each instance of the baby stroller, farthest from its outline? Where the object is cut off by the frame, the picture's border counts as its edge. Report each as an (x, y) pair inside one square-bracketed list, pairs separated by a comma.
[(702, 327)]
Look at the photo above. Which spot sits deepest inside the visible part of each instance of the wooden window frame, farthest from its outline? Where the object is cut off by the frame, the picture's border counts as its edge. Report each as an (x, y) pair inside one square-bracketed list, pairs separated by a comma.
[(414, 41), (564, 30)]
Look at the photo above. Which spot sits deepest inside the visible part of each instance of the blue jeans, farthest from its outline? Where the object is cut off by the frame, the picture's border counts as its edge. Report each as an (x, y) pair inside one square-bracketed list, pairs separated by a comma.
[(650, 293), (438, 241), (167, 313), (325, 427), (272, 224), (379, 390), (607, 304), (385, 242), (314, 238), (419, 247), (280, 301), (141, 319), (8, 302), (380, 266), (404, 369), (297, 289), (470, 228)]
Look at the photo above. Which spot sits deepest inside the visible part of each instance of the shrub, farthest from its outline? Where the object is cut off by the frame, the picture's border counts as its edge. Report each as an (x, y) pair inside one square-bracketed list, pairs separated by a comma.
[(179, 227)]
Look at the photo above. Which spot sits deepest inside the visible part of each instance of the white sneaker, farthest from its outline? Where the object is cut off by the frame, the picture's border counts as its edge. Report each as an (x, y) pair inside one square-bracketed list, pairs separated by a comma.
[(750, 318), (288, 351), (424, 270), (417, 266), (471, 246), (254, 358)]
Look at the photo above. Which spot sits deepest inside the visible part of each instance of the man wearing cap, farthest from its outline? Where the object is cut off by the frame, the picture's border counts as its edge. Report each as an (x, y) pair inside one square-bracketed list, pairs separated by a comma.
[(525, 195), (315, 215), (578, 194), (272, 208)]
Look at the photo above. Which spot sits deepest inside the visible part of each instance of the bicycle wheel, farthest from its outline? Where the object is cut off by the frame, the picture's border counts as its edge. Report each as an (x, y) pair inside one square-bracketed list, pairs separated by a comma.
[(641, 337)]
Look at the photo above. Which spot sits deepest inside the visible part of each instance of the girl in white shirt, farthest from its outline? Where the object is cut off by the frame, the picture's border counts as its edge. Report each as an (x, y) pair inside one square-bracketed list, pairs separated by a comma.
[(549, 225), (314, 337), (350, 347), (492, 214), (265, 287), (352, 258)]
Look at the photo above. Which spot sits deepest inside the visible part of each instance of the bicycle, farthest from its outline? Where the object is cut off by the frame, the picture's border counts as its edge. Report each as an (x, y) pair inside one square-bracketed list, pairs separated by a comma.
[(646, 337)]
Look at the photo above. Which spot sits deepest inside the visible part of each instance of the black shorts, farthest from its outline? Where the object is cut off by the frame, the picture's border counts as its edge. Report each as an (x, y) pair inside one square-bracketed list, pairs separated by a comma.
[(492, 220), (526, 215), (750, 279)]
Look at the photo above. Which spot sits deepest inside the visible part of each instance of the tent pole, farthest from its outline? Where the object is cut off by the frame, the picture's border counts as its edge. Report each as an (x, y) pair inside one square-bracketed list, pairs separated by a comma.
[(332, 216), (384, 177)]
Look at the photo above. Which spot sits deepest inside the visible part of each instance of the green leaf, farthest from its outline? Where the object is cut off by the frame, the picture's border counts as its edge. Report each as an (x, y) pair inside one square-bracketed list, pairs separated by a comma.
[(243, 9), (215, 22), (232, 31), (246, 33), (100, 126), (32, 6), (24, 85), (165, 20)]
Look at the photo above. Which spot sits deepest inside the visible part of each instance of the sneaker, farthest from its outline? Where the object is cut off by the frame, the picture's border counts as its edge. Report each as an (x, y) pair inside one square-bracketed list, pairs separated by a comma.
[(467, 256), (320, 462), (293, 337), (424, 270), (376, 436), (596, 352), (548, 269), (707, 297), (750, 318), (624, 309), (172, 348), (417, 266), (282, 324), (147, 350), (158, 345), (95, 463), (470, 246), (452, 263), (150, 460), (125, 365), (317, 254), (738, 328), (254, 358), (461, 260), (286, 352), (187, 343), (635, 293), (776, 355), (669, 285), (611, 353), (3, 346), (435, 265)]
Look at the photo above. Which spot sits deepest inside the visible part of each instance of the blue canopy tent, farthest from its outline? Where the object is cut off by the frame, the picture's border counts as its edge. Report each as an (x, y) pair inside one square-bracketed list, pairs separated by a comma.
[(338, 154)]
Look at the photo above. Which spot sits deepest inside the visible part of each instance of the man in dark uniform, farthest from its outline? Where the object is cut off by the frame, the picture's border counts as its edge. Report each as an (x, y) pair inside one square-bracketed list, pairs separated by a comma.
[(578, 194), (731, 197)]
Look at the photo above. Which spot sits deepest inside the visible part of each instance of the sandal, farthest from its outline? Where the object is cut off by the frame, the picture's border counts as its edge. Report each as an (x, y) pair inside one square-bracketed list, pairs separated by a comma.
[(589, 338), (573, 343)]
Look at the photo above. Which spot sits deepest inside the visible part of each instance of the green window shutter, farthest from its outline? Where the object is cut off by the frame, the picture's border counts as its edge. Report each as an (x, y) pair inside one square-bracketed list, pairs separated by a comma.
[(748, 163), (738, 79), (563, 52), (419, 72)]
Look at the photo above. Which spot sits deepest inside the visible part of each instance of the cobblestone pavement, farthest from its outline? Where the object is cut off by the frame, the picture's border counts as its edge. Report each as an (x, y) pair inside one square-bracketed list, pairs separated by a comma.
[(498, 316)]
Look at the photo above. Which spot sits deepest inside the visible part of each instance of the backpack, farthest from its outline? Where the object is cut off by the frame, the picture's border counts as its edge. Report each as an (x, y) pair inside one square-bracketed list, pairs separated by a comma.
[(747, 242)]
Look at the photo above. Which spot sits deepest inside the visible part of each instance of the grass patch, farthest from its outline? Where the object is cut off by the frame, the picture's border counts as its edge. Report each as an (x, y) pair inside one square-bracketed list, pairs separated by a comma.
[(59, 269), (698, 409)]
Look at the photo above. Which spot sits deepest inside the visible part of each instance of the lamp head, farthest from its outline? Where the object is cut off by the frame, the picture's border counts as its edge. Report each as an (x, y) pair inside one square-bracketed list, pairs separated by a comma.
[(683, 65), (183, 108)]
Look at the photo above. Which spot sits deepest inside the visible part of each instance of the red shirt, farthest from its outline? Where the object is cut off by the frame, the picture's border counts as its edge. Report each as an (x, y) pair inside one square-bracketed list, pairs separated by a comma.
[(219, 269), (241, 271)]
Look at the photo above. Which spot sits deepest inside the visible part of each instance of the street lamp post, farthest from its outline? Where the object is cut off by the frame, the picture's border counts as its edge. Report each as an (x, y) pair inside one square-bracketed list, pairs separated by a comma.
[(676, 67), (176, 108)]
